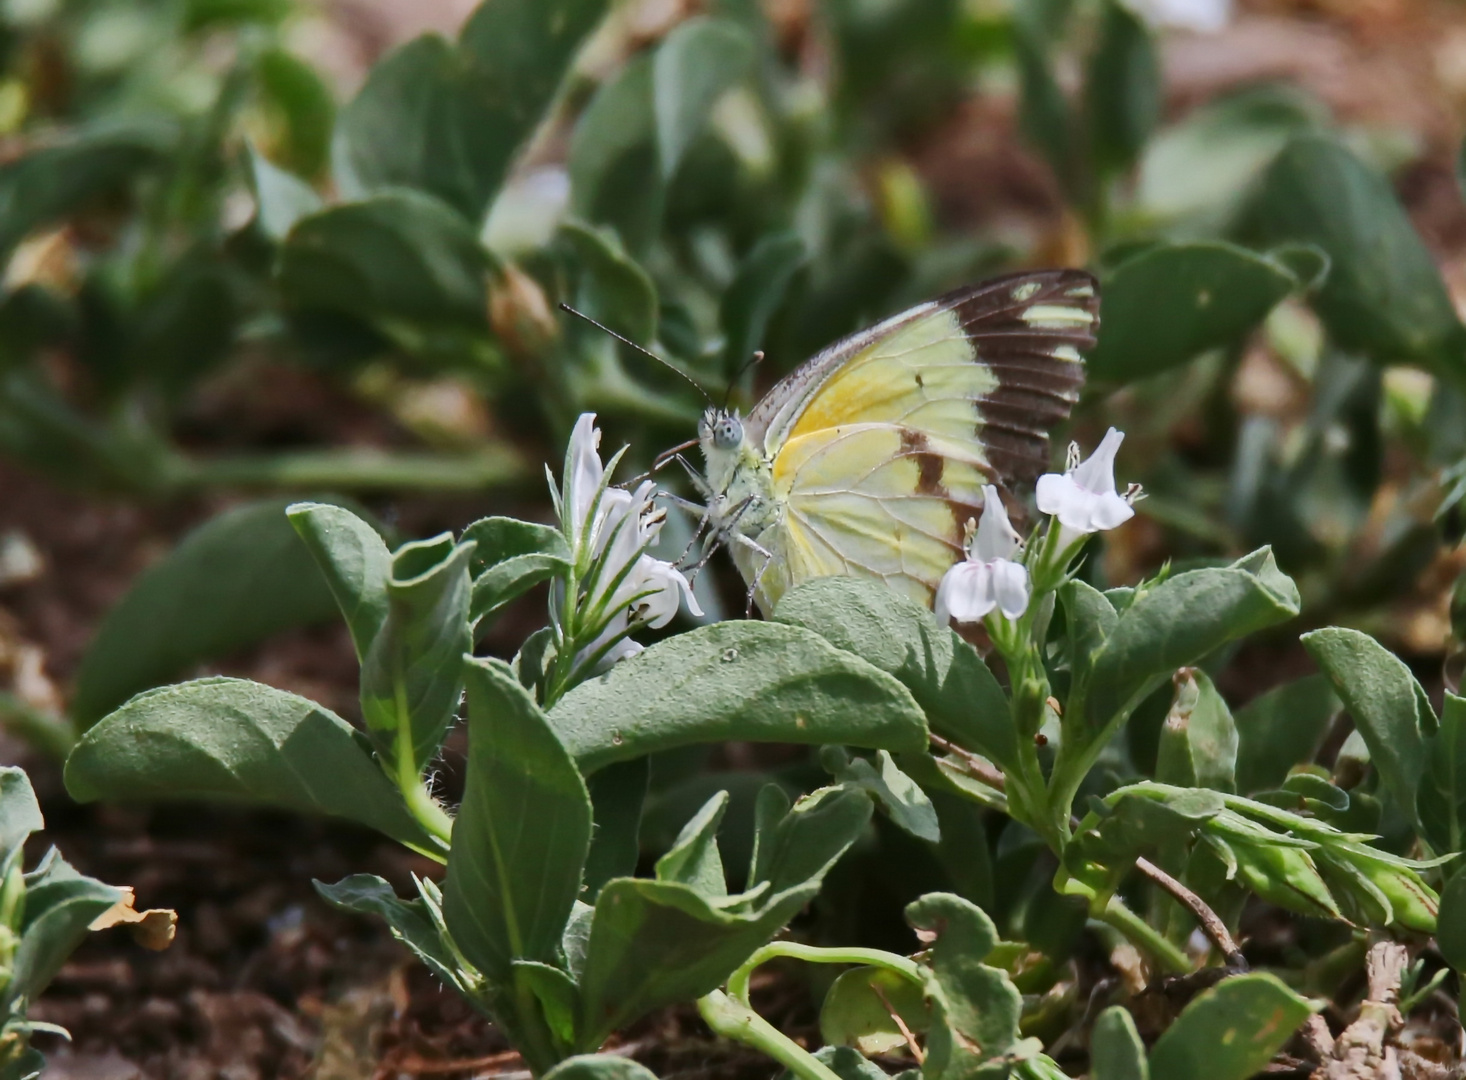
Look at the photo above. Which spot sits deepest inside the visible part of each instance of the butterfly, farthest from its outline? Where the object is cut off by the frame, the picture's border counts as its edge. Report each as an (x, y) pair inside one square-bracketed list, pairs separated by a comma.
[(870, 458)]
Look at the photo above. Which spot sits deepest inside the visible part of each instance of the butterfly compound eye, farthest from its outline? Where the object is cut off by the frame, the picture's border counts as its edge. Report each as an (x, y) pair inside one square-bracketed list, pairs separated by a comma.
[(727, 432)]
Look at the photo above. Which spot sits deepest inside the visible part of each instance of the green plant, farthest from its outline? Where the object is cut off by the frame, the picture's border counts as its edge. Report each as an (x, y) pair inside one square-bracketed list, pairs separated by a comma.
[(44, 914), (538, 921)]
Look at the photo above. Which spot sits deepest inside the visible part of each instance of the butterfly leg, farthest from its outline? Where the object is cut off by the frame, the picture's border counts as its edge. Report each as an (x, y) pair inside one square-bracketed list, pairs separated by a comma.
[(758, 577), (719, 536)]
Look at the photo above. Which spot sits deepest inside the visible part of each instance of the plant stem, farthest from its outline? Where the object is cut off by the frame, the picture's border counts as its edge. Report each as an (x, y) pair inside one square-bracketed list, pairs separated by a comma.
[(55, 735), (420, 802), (353, 470), (1211, 924), (738, 1022), (1141, 933), (738, 982)]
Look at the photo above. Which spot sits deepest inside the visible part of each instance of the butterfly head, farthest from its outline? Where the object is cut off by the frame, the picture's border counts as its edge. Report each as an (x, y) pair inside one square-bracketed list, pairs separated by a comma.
[(721, 436)]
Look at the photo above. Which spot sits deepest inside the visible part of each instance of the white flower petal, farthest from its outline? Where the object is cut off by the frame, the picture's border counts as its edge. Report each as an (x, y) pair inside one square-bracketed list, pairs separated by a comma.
[(1010, 587), (966, 593), (1084, 499), (996, 537), (1098, 473), (586, 470)]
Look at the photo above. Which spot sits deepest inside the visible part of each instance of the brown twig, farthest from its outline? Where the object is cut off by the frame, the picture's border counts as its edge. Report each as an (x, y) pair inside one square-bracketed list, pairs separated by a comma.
[(977, 767), (906, 1032), (1211, 925)]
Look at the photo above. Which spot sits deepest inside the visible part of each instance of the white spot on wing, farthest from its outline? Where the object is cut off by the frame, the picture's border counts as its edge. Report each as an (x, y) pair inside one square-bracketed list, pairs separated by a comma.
[(1068, 352), (1056, 316), (1024, 291)]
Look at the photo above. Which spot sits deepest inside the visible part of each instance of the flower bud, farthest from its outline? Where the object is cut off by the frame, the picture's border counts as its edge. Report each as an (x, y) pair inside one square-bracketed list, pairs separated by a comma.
[(520, 314)]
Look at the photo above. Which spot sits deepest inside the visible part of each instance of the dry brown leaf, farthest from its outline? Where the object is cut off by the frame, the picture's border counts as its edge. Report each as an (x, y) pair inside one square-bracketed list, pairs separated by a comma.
[(152, 929)]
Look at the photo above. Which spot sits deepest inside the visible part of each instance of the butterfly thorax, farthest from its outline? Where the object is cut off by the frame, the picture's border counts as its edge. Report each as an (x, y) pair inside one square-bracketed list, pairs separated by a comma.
[(739, 477)]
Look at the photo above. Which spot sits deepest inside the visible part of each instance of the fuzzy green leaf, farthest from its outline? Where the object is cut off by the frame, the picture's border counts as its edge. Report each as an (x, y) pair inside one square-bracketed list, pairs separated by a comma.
[(1280, 729), (613, 288), (60, 905), (236, 741), (1173, 302), (1115, 1049), (945, 675), (1231, 1031), (694, 65), (355, 562), (1441, 801), (1198, 745), (522, 833), (760, 682), (232, 582), (1384, 295), (412, 677), (1181, 620), (1388, 706)]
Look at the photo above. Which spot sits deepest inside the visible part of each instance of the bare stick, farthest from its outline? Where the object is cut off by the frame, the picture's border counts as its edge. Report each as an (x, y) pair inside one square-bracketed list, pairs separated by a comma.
[(1211, 925), (906, 1033), (973, 765)]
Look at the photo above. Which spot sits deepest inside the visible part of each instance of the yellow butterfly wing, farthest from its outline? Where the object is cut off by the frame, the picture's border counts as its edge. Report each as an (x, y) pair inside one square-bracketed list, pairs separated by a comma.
[(880, 445)]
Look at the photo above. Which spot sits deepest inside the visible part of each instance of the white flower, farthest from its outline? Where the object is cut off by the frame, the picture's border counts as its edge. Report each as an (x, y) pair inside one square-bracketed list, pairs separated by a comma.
[(631, 588), (584, 475), (1084, 498), (988, 578), (1202, 16)]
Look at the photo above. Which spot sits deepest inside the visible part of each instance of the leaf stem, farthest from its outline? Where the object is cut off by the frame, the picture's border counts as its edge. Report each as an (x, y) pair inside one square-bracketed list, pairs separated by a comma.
[(1141, 933), (900, 965), (736, 1021)]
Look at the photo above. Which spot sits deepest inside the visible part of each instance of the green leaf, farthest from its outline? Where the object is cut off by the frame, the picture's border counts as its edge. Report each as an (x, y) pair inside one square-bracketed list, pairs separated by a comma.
[(694, 859), (355, 562), (613, 289), (232, 741), (700, 59), (600, 1067), (848, 1064), (20, 813), (855, 1010), (1384, 295), (1043, 114), (617, 795), (1450, 934), (1231, 1031), (60, 905), (409, 921), (975, 1007), (522, 833), (759, 682), (234, 581), (656, 942), (509, 558), (1280, 729), (52, 182), (896, 793), (556, 993), (281, 198), (1174, 302), (1115, 1049), (449, 119), (615, 175), (955, 689), (1199, 739), (1123, 89), (295, 95), (755, 294), (1181, 620), (412, 675), (1388, 706), (1441, 800), (401, 262), (1138, 819)]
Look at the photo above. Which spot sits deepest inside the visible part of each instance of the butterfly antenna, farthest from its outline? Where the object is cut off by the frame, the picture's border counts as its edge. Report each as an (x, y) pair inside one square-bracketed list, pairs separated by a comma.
[(645, 352), (755, 359)]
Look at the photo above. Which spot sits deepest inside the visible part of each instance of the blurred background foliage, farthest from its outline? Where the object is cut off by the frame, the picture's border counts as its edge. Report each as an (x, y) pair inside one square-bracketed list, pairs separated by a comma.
[(234, 262)]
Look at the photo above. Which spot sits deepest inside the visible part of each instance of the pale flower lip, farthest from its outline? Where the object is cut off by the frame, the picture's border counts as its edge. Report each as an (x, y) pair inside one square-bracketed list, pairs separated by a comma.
[(988, 578), (1084, 498), (1202, 16)]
